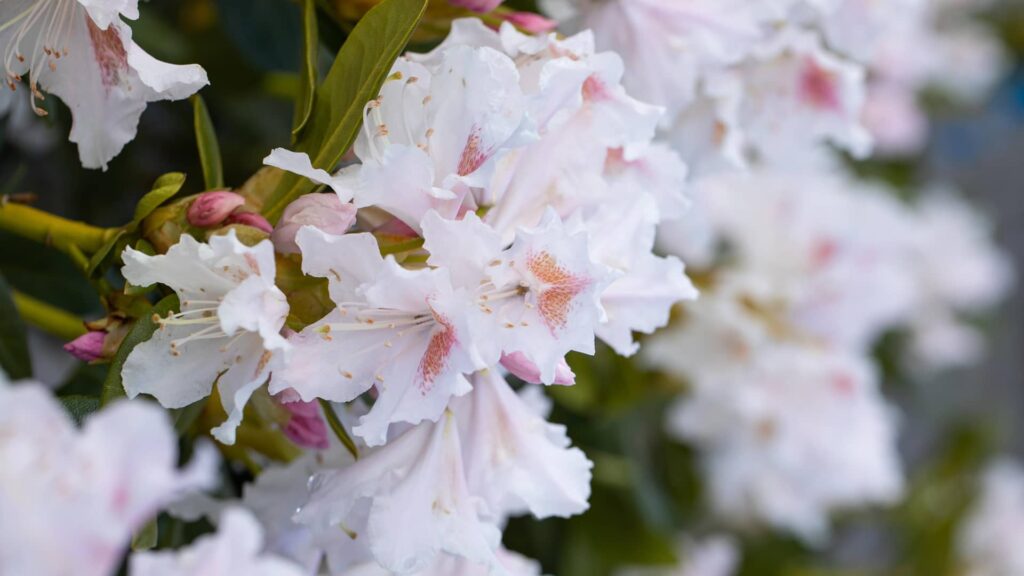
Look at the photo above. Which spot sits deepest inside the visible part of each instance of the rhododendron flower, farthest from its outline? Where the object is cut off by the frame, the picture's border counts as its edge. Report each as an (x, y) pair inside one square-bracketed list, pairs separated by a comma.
[(405, 332), (774, 451), (541, 296), (515, 460), (408, 500), (228, 330), (234, 549), (670, 46), (72, 498), (81, 51), (434, 132)]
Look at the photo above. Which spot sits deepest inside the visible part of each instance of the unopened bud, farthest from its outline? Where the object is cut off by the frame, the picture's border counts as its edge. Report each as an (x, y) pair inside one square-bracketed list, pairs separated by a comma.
[(305, 427), (325, 212), (87, 347), (530, 22), (520, 366), (209, 209), (250, 219)]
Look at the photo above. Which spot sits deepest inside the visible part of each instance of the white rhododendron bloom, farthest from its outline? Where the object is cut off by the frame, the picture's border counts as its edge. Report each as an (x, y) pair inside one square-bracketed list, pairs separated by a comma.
[(515, 460), (234, 549), (432, 134), (989, 542), (82, 52), (799, 250), (406, 332), (790, 434), (408, 499), (228, 329), (71, 498)]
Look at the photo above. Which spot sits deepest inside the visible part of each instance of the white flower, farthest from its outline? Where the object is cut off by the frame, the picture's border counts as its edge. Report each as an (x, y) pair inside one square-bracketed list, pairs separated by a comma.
[(81, 51), (515, 460), (432, 134), (234, 549), (799, 246), (71, 498), (407, 501), (989, 542), (796, 95), (790, 434), (540, 297), (228, 329), (641, 298), (405, 332), (669, 47)]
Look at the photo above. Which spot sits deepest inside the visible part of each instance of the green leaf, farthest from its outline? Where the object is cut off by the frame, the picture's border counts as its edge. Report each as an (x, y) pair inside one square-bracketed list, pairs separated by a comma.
[(145, 538), (80, 407), (163, 190), (14, 358), (206, 141), (144, 328), (308, 74), (355, 78)]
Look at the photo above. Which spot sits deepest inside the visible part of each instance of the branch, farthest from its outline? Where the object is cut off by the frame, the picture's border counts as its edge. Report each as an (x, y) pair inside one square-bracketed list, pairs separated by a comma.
[(46, 228), (49, 318)]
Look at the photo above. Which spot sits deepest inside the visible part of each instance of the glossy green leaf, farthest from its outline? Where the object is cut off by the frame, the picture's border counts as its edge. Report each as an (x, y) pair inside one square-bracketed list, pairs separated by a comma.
[(163, 190), (113, 387), (358, 72), (14, 357), (308, 73), (206, 141)]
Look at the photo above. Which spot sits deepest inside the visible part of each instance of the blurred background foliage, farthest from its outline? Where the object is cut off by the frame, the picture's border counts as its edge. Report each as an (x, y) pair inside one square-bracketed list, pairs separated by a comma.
[(646, 487)]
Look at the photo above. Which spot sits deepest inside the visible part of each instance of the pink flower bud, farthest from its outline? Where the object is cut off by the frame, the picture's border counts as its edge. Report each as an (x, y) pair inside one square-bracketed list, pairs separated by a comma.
[(477, 5), (87, 347), (250, 219), (323, 211), (305, 427), (211, 208), (519, 365), (530, 22)]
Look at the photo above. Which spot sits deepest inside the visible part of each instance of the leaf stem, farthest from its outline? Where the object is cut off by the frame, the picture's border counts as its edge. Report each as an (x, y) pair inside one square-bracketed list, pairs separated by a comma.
[(339, 428), (48, 318), (52, 230)]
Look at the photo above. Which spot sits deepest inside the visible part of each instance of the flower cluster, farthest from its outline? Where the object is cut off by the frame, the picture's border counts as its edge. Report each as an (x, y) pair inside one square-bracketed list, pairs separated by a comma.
[(510, 198), (746, 79), (803, 268), (502, 213)]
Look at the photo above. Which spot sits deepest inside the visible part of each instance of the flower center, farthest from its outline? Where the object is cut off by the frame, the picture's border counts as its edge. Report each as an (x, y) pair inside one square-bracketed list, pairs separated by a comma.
[(203, 318)]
